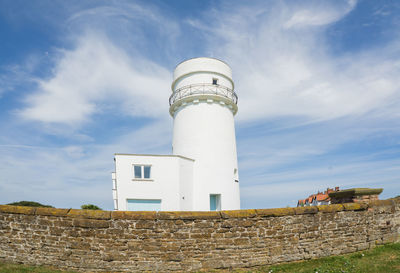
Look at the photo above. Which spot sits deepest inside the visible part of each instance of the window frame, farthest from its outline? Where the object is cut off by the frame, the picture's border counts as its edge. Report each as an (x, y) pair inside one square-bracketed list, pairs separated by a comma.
[(142, 173)]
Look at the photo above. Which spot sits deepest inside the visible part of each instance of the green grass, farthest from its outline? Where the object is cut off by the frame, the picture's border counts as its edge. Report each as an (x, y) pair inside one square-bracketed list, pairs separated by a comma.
[(380, 259), (19, 268)]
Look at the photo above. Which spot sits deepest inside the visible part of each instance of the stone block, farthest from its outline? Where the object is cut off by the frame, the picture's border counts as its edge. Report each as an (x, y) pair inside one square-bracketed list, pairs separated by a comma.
[(90, 223), (200, 235), (144, 224), (175, 257)]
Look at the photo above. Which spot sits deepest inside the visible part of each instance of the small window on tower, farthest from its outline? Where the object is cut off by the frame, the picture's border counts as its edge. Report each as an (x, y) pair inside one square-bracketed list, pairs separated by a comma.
[(215, 81), (235, 173)]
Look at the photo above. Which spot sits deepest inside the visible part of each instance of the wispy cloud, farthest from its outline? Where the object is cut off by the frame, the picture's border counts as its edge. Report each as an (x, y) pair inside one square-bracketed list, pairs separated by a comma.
[(319, 15), (282, 71), (95, 77)]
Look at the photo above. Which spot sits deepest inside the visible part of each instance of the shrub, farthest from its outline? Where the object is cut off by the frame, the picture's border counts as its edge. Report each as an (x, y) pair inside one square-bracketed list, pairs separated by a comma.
[(90, 206), (29, 204)]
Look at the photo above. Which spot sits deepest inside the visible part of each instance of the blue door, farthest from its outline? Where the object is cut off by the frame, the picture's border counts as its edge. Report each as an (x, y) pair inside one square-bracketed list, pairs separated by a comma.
[(215, 203), (144, 204)]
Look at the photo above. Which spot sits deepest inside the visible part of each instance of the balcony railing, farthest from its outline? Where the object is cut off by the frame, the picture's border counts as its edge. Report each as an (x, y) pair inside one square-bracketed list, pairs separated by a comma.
[(203, 89)]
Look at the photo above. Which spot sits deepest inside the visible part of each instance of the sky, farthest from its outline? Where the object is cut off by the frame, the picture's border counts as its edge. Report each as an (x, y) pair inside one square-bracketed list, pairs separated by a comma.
[(318, 85)]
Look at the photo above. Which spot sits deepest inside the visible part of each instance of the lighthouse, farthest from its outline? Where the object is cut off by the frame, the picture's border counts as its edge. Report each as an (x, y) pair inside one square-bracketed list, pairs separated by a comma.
[(202, 173), (203, 105)]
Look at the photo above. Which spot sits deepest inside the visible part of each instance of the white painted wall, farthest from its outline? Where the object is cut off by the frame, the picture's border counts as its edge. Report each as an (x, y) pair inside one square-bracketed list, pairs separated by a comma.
[(205, 131), (168, 174), (201, 67), (186, 184)]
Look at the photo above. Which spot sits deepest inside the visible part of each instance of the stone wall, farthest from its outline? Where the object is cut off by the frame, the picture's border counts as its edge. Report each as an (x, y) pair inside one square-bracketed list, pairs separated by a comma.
[(183, 241)]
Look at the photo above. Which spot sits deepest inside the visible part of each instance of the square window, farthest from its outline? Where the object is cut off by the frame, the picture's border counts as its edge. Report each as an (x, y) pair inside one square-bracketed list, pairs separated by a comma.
[(137, 171), (214, 81), (146, 171), (141, 171)]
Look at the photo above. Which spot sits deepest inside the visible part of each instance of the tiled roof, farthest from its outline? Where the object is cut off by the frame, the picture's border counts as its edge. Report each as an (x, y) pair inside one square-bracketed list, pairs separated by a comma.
[(320, 196)]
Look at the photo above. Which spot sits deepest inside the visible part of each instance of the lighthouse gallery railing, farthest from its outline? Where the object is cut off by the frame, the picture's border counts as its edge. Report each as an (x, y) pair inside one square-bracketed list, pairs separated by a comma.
[(203, 89)]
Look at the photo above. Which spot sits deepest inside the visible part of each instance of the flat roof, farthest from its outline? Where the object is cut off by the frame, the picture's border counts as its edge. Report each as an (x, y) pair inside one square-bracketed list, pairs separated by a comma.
[(180, 156)]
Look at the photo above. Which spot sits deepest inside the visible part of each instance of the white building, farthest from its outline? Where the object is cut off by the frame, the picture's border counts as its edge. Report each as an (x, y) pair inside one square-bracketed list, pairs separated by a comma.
[(202, 172)]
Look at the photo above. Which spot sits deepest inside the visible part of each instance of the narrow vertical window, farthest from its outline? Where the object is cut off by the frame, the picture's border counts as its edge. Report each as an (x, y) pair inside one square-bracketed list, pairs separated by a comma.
[(138, 171), (146, 171), (235, 174)]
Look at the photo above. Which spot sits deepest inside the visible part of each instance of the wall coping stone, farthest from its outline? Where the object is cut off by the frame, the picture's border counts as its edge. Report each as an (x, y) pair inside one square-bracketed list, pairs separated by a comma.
[(51, 211), (186, 215), (244, 213), (331, 208), (133, 215), (355, 192), (192, 215), (17, 209), (355, 206), (275, 212), (306, 210), (91, 214)]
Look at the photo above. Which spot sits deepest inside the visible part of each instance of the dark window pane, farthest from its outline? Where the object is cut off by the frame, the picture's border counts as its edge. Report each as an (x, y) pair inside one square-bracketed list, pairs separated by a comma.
[(138, 171), (215, 81), (146, 171)]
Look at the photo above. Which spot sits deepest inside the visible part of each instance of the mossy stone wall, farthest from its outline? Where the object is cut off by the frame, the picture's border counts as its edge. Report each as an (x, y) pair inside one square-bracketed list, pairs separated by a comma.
[(92, 240)]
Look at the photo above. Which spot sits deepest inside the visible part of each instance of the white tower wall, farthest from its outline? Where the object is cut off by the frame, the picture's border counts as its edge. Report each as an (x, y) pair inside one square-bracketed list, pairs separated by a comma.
[(204, 129)]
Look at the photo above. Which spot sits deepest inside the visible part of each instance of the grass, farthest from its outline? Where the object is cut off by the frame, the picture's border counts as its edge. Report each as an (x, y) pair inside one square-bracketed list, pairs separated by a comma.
[(19, 268), (380, 259)]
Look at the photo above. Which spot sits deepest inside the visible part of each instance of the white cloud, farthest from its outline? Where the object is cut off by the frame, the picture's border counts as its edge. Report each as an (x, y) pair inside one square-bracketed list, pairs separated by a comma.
[(109, 66), (282, 72), (318, 16), (96, 76)]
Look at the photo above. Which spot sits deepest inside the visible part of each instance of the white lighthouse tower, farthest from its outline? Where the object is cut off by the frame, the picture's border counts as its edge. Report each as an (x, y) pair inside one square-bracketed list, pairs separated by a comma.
[(202, 172), (203, 105)]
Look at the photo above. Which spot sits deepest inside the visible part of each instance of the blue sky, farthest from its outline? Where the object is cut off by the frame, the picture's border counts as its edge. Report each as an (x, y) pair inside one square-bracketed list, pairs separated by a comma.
[(318, 85)]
